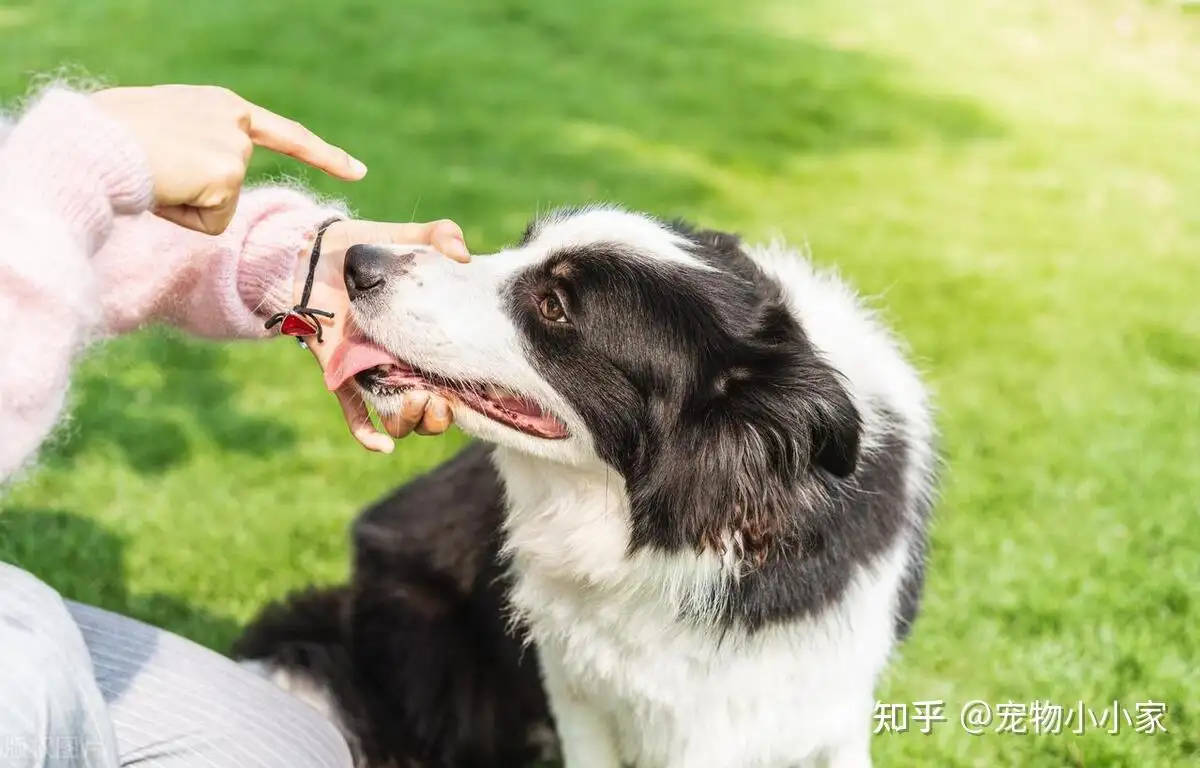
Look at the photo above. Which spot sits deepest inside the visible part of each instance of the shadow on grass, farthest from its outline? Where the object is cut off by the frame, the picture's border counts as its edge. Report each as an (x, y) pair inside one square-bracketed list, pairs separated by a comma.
[(86, 564), (703, 76), (655, 105), (486, 111), (151, 397)]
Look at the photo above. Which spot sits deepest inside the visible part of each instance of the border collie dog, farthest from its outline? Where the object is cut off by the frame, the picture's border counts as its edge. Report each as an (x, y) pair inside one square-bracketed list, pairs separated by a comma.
[(690, 535)]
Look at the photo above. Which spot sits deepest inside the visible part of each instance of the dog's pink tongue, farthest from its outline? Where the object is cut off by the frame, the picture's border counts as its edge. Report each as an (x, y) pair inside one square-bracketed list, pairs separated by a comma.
[(352, 357)]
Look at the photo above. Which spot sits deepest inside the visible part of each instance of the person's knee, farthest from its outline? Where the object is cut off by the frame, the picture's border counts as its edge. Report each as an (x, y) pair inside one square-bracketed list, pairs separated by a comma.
[(53, 713), (294, 736), (297, 736), (19, 586), (44, 722), (30, 605), (221, 712), (329, 746)]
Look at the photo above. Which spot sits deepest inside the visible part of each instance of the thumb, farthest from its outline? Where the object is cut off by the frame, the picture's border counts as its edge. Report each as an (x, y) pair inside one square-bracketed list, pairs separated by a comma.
[(443, 234), (448, 238), (358, 419)]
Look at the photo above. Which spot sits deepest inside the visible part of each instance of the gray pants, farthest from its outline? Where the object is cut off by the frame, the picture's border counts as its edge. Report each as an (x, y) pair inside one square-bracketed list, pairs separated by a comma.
[(84, 687)]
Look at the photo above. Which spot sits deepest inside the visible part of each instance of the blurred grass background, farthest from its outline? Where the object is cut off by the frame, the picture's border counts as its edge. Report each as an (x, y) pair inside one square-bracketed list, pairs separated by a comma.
[(1018, 183)]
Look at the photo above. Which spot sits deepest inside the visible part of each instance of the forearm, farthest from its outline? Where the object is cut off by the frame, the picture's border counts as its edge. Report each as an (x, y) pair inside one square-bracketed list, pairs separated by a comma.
[(66, 171), (226, 286)]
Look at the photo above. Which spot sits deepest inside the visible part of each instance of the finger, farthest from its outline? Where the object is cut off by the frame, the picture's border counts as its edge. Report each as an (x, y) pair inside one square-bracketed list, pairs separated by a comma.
[(287, 137), (412, 408), (448, 238), (444, 235), (437, 418), (216, 220), (358, 419), (393, 424), (210, 221)]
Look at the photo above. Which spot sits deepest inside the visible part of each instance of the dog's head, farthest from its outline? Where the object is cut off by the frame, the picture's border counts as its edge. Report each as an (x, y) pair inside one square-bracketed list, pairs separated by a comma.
[(611, 338)]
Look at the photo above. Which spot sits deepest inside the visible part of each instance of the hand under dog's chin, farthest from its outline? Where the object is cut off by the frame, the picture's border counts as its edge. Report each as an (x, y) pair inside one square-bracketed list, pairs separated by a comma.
[(570, 450)]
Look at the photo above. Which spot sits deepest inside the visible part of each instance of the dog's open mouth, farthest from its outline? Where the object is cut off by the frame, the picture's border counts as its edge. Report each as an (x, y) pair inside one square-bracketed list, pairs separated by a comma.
[(382, 374)]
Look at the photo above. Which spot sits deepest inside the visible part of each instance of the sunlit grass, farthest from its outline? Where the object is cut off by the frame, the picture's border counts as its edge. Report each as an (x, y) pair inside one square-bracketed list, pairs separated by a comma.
[(1016, 183)]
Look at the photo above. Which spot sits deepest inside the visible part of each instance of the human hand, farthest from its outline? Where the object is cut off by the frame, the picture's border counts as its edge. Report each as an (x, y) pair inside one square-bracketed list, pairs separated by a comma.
[(423, 412), (199, 140)]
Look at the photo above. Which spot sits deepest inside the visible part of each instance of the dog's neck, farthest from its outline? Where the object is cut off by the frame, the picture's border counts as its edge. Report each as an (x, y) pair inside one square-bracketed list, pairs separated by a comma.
[(570, 526), (567, 520)]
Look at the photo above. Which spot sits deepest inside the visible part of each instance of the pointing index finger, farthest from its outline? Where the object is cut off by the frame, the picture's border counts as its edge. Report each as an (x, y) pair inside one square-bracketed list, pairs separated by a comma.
[(288, 137)]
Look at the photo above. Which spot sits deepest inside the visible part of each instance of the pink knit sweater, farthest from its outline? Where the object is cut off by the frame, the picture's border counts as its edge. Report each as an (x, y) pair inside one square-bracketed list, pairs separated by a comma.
[(81, 259)]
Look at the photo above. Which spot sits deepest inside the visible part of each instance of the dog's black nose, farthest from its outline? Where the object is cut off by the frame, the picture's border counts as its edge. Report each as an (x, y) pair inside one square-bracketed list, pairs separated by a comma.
[(366, 269)]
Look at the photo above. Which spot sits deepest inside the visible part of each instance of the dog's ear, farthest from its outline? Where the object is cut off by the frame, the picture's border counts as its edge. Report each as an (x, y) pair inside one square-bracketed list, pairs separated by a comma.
[(835, 426), (738, 468), (713, 244)]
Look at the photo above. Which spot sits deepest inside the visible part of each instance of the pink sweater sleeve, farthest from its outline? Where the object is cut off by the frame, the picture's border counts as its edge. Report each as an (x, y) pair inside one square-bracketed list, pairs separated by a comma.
[(151, 271), (66, 171), (81, 259)]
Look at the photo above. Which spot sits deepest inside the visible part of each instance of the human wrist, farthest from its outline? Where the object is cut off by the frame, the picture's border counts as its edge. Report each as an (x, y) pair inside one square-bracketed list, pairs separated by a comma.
[(272, 264), (302, 318), (308, 263)]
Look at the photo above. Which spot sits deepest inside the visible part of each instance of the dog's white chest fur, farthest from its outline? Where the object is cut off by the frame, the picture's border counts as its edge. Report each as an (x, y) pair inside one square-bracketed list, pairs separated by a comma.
[(632, 684)]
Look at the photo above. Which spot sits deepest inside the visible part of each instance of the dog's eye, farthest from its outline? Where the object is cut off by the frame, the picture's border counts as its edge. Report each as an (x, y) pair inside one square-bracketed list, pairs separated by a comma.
[(552, 309)]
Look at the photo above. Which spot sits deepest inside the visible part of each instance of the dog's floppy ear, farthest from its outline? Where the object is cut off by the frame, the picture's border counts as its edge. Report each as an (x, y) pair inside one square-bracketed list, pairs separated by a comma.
[(741, 466), (835, 426)]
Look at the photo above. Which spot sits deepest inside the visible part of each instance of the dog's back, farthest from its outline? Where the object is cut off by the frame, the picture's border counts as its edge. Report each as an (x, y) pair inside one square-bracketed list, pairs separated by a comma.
[(414, 659)]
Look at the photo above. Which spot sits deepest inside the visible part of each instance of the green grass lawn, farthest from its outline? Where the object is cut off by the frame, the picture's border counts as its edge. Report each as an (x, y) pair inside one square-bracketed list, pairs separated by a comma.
[(1017, 182)]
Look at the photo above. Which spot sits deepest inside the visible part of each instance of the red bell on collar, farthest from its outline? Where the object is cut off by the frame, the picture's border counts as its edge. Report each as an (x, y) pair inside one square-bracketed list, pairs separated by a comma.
[(295, 324), (299, 322)]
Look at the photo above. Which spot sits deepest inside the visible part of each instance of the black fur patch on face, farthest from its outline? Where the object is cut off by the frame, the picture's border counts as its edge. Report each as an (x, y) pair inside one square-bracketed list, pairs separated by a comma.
[(702, 389)]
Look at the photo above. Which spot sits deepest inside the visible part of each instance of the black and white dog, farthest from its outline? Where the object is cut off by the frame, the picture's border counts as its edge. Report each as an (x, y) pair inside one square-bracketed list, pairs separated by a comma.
[(691, 537)]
